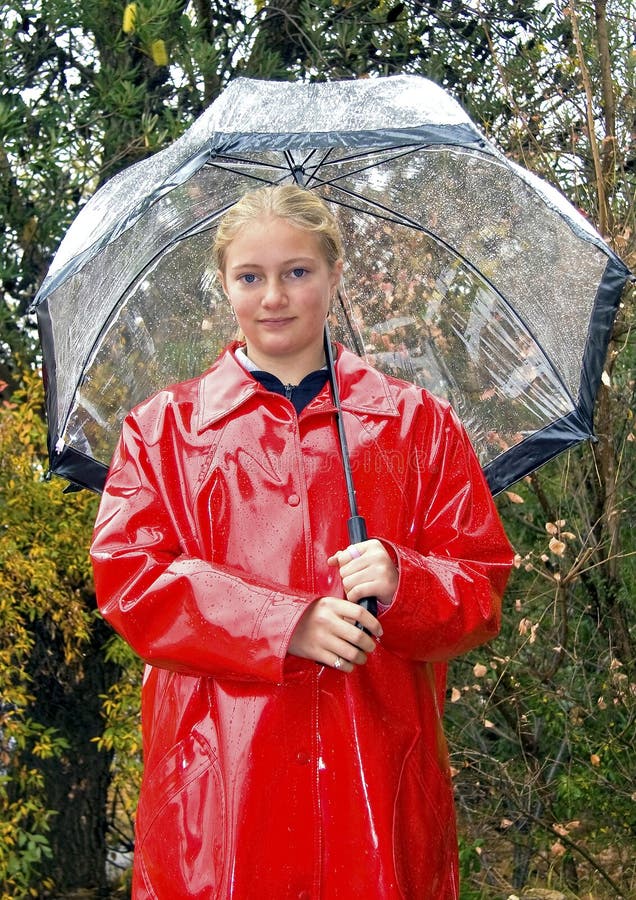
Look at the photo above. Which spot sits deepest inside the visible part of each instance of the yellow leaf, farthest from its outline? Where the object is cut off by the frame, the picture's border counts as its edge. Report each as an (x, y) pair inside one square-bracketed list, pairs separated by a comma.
[(130, 18), (595, 759), (159, 53)]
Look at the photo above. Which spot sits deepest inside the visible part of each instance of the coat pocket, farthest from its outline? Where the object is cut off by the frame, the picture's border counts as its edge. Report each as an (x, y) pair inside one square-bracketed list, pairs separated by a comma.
[(180, 823)]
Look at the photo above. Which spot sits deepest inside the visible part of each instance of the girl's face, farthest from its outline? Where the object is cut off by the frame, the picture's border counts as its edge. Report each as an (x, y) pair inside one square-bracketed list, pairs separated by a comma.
[(280, 285)]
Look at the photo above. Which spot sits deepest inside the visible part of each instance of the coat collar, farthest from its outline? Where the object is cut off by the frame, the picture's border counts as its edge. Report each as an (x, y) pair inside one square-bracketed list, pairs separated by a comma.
[(226, 386)]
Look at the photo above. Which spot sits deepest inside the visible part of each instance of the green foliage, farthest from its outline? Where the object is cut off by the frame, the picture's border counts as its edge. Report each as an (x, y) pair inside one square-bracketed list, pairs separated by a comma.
[(122, 736), (43, 579), (469, 865)]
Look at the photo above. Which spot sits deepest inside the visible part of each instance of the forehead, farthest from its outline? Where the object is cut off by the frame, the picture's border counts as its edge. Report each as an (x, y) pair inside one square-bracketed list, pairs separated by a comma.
[(273, 238)]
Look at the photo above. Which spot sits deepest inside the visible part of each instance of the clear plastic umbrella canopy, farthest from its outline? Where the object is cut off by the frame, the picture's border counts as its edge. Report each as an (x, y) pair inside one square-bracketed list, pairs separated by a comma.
[(465, 274)]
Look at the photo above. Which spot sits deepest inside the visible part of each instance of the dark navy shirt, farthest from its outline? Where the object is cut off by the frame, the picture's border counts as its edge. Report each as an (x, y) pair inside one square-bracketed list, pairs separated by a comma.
[(299, 394)]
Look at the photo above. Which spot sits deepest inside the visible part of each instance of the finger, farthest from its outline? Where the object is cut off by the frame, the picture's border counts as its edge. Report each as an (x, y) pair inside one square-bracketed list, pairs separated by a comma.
[(362, 618), (358, 638), (349, 654), (333, 612), (359, 585), (340, 663), (349, 554)]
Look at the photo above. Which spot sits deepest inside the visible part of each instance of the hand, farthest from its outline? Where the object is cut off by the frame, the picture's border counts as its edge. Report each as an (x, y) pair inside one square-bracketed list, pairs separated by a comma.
[(327, 633), (366, 570)]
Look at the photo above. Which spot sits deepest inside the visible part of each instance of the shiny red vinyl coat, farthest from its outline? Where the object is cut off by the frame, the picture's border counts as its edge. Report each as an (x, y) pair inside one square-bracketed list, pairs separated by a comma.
[(267, 775)]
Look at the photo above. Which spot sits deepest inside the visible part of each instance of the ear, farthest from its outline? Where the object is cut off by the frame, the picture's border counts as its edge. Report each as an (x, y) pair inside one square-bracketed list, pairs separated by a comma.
[(221, 278)]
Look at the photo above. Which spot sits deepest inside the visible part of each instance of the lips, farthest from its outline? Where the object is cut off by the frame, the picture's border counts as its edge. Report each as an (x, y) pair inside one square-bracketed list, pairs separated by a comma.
[(276, 323)]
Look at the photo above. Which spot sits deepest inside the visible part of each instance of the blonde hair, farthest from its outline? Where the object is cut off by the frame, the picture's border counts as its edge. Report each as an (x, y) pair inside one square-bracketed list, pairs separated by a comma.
[(298, 206)]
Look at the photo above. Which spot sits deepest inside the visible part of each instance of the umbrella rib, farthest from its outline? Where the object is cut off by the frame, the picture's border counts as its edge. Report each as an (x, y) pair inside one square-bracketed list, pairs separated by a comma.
[(396, 153), (263, 164)]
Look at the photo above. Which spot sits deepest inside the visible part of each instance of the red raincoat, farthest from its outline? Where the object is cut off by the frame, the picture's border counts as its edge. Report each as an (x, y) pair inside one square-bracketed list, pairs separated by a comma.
[(267, 775)]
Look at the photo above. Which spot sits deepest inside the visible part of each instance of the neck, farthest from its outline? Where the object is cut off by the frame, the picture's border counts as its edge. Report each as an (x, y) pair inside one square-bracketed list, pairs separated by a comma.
[(290, 371)]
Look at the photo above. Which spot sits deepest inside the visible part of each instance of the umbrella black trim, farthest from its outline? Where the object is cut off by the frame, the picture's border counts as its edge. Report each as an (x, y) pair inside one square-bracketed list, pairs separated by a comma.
[(81, 470), (49, 374), (462, 135), (608, 297), (535, 451)]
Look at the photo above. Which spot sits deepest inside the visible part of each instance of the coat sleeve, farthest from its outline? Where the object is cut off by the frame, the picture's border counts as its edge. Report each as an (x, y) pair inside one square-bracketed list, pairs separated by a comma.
[(451, 583), (176, 610)]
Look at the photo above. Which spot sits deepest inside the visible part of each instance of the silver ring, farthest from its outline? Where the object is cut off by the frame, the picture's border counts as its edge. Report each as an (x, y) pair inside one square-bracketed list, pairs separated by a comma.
[(337, 662)]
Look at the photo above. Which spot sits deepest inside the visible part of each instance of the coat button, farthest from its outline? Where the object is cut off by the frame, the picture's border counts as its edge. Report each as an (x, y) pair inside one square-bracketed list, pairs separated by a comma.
[(293, 499)]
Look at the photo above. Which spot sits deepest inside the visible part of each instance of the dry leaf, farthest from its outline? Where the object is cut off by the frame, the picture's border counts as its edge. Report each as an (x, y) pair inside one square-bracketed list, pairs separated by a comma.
[(595, 759), (551, 528), (455, 695), (514, 498), (557, 547), (479, 670), (557, 849), (606, 379), (524, 626)]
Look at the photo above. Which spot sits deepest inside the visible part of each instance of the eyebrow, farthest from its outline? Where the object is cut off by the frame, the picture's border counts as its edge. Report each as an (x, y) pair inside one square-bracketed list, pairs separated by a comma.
[(294, 261)]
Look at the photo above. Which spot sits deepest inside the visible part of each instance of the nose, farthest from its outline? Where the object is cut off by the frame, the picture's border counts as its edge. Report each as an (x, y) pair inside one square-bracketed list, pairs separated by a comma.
[(274, 294)]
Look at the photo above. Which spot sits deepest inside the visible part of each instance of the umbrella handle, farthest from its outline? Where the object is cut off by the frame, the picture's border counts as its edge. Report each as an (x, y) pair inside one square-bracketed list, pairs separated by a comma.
[(357, 528)]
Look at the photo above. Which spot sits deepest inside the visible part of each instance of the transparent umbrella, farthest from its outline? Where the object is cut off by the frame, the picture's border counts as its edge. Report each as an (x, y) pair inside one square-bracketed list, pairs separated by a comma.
[(465, 273)]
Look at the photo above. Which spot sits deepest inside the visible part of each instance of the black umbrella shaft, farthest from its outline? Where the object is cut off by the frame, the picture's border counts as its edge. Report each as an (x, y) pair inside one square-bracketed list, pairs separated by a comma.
[(356, 526)]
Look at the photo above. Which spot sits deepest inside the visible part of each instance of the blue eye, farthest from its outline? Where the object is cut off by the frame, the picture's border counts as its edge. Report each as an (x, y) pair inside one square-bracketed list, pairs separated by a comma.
[(248, 278), (298, 272)]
